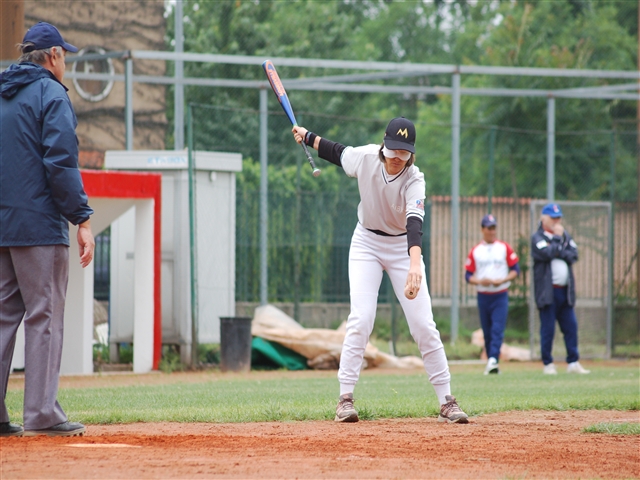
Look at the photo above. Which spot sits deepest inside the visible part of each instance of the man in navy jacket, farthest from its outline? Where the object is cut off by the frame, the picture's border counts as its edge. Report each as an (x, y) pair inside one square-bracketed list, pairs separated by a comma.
[(554, 252), (41, 191)]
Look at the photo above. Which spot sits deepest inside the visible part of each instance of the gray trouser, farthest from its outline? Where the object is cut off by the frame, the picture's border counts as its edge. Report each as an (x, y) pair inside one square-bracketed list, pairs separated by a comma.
[(33, 287)]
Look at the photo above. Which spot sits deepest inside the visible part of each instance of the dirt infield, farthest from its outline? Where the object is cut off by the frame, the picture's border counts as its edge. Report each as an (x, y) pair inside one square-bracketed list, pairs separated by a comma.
[(506, 445)]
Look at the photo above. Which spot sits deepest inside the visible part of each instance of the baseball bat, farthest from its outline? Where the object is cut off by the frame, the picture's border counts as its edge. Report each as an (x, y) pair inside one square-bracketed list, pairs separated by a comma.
[(283, 98)]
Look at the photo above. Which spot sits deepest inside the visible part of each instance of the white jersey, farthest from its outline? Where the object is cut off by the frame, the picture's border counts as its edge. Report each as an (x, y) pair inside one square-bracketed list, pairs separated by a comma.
[(559, 268), (386, 202), (492, 261)]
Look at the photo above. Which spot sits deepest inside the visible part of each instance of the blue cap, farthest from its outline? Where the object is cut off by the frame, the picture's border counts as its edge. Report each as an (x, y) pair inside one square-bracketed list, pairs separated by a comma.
[(488, 221), (44, 35), (552, 209)]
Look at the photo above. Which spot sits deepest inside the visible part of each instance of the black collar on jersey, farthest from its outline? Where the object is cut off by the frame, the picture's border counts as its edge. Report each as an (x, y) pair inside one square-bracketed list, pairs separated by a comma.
[(385, 176)]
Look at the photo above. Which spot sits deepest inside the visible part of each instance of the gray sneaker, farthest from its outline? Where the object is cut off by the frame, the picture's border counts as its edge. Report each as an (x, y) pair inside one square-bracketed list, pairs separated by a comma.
[(345, 411), (450, 412), (66, 429)]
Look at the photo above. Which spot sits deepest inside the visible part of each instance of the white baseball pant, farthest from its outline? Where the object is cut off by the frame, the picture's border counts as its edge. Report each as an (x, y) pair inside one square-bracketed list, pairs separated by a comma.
[(369, 255)]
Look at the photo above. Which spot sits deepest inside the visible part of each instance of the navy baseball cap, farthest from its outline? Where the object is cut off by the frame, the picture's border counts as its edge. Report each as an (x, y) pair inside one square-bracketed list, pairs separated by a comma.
[(44, 35), (488, 221), (552, 209), (400, 135)]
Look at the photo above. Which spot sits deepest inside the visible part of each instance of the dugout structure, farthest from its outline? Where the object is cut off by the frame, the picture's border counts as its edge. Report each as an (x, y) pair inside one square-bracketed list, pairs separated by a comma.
[(212, 280), (590, 225)]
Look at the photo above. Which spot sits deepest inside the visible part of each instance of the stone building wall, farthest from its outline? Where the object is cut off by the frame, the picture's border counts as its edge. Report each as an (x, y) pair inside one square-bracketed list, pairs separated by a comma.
[(112, 26)]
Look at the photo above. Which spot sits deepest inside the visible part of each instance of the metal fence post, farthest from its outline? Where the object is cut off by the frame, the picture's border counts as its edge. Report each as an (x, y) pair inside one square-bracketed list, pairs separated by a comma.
[(296, 244), (178, 86), (455, 205), (264, 211), (192, 240), (128, 103), (611, 249), (532, 298), (492, 147), (551, 148)]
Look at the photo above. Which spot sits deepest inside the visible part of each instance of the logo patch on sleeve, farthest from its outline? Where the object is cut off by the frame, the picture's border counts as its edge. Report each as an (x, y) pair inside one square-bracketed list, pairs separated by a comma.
[(541, 244), (420, 204)]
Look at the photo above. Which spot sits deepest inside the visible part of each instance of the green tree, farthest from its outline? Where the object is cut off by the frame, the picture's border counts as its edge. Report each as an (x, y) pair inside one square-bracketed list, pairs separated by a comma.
[(553, 35), (595, 34)]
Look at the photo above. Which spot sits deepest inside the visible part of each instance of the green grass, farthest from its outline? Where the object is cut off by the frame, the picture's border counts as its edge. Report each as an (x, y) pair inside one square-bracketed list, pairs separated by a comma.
[(614, 428), (406, 345), (628, 350), (460, 351), (284, 396)]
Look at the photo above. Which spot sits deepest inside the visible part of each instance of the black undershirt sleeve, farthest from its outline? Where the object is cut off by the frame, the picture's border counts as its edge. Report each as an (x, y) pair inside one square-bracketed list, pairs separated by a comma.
[(331, 151), (414, 232)]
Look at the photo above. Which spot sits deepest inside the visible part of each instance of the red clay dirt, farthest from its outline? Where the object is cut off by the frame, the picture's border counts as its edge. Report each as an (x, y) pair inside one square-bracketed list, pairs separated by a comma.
[(506, 445), (537, 444)]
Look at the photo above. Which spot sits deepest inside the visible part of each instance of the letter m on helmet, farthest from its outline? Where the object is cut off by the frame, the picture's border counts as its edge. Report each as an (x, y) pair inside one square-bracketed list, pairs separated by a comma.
[(403, 132)]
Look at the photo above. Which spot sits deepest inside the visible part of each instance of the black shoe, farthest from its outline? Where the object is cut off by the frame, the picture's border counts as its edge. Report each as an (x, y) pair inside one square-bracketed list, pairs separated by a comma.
[(8, 429), (66, 429)]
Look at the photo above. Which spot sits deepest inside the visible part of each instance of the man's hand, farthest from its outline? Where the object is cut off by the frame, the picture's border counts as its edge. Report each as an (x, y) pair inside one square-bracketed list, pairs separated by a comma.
[(86, 243), (558, 229)]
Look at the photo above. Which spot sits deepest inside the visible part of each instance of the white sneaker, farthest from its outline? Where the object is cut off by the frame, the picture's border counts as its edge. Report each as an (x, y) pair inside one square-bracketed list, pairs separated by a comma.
[(550, 369), (575, 367), (492, 366)]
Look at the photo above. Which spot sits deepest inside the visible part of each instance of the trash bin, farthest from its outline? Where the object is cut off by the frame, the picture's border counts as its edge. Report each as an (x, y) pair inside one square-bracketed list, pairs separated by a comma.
[(235, 344)]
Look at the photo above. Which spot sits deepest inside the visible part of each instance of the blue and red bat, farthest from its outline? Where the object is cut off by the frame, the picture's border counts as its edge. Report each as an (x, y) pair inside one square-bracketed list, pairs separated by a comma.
[(283, 98)]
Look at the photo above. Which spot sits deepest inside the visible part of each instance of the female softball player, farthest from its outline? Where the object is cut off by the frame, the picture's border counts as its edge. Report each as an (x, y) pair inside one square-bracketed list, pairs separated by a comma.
[(387, 237)]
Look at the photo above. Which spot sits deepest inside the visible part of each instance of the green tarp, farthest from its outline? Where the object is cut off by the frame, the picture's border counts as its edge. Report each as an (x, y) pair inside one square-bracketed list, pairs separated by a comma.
[(266, 354)]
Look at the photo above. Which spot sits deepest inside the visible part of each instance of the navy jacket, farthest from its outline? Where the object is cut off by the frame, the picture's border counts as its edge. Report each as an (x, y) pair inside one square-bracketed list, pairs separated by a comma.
[(41, 188), (544, 249)]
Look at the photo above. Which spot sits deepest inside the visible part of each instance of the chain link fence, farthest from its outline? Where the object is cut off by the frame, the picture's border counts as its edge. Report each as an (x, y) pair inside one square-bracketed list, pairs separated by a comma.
[(310, 221)]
